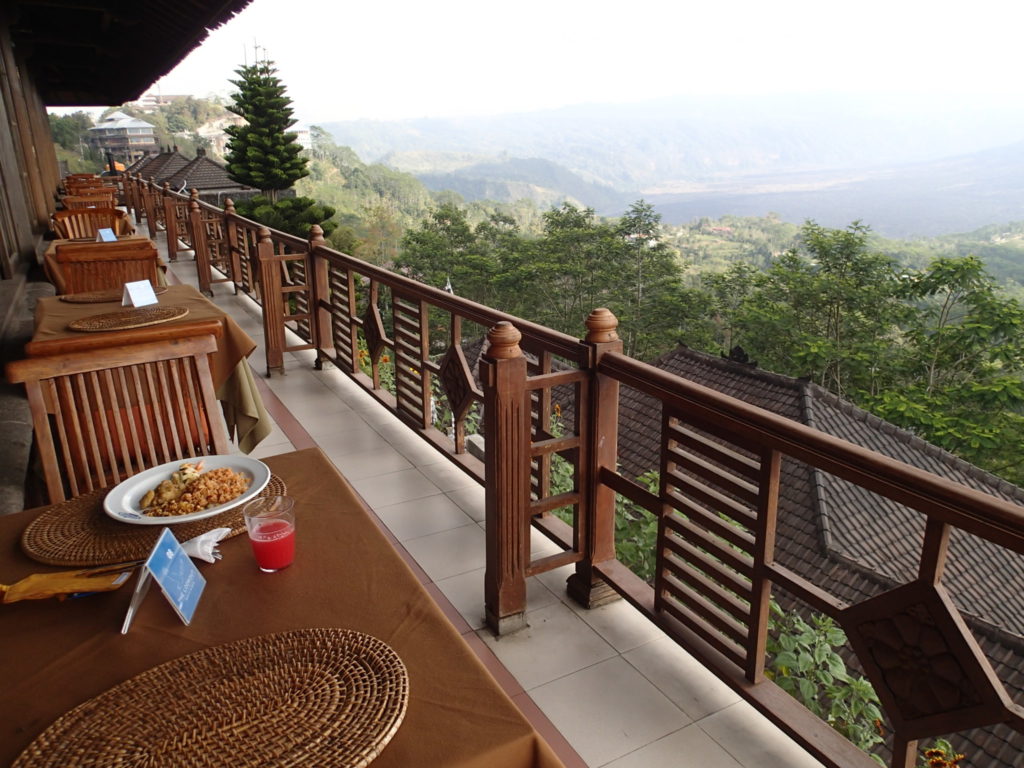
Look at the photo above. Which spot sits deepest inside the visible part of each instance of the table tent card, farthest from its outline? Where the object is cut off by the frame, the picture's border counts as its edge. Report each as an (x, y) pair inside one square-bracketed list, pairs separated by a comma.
[(138, 294), (176, 575), (106, 235)]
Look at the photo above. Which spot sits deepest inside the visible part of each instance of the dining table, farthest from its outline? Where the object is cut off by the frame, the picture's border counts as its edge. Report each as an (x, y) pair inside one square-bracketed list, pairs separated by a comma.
[(346, 575), (244, 413)]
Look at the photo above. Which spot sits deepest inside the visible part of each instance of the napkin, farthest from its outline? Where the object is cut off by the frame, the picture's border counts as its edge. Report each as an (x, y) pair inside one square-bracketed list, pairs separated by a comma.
[(203, 546)]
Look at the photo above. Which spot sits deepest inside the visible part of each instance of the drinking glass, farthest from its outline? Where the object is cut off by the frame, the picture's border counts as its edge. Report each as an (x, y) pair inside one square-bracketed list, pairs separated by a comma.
[(270, 521)]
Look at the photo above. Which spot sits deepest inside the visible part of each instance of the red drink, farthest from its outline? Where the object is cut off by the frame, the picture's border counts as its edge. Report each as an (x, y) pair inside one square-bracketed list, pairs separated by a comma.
[(273, 544)]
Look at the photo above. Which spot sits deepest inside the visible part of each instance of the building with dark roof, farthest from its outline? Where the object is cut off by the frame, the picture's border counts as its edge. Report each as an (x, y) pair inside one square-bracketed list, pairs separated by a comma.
[(124, 137), (210, 178), (850, 541), (159, 167)]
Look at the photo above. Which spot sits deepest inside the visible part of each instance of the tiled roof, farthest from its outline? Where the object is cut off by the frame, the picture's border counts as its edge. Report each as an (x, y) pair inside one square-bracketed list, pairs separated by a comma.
[(120, 120), (203, 174), (160, 167)]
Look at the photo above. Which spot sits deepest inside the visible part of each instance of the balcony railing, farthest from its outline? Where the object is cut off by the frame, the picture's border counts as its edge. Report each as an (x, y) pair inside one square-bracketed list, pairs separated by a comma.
[(717, 498)]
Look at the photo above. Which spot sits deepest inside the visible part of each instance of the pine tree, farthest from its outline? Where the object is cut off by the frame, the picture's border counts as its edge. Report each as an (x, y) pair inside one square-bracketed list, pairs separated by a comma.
[(262, 153)]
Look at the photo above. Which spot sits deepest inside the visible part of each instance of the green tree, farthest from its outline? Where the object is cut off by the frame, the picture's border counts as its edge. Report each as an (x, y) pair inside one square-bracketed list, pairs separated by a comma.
[(657, 311), (959, 381), (575, 266), (294, 215), (446, 250), (383, 233), (826, 310), (69, 131), (262, 153)]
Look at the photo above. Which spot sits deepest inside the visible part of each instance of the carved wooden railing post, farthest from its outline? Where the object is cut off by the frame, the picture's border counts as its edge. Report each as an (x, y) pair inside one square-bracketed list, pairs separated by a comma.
[(231, 235), (149, 202), (597, 511), (131, 196), (197, 233), (269, 278), (170, 221), (507, 474), (317, 271)]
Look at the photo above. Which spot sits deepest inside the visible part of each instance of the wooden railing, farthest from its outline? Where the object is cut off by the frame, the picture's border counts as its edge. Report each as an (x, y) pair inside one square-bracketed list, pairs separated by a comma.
[(716, 501)]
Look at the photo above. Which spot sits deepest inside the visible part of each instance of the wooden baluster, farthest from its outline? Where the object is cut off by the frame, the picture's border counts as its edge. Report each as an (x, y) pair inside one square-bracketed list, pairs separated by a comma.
[(317, 278), (269, 278), (598, 423), (170, 222), (934, 551), (507, 473), (199, 247), (131, 196), (148, 200), (764, 555), (231, 235)]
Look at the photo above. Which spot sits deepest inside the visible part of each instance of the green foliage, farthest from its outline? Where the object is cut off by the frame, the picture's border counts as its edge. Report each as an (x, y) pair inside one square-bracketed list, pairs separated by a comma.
[(804, 662), (636, 532), (261, 153), (825, 310), (293, 215), (70, 131)]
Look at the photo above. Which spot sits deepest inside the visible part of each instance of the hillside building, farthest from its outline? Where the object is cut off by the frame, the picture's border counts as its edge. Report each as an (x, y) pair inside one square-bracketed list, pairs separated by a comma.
[(124, 137)]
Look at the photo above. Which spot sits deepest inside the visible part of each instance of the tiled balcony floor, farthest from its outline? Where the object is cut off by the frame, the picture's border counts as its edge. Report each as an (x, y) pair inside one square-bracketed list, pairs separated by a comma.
[(605, 686)]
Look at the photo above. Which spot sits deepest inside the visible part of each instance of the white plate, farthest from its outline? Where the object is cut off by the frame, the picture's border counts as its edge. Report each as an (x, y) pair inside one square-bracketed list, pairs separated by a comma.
[(122, 503)]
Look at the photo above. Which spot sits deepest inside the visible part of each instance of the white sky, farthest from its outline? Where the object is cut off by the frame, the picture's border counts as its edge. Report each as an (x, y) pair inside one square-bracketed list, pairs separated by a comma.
[(408, 58)]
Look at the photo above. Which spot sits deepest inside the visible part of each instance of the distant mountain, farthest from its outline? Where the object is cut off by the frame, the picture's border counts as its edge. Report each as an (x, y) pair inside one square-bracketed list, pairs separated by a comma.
[(510, 179), (831, 157), (944, 196)]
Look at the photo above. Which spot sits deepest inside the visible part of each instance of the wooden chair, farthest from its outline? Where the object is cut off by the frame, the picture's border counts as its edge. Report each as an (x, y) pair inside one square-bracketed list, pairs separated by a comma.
[(92, 200), (86, 222), (95, 266), (73, 186), (77, 180), (104, 415)]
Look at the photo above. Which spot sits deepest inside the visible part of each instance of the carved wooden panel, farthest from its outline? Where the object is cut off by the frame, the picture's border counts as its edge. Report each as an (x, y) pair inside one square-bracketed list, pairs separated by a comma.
[(927, 669), (457, 381)]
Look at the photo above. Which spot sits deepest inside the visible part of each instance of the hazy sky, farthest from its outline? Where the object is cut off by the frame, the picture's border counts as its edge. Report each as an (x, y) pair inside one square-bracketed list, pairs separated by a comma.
[(405, 58)]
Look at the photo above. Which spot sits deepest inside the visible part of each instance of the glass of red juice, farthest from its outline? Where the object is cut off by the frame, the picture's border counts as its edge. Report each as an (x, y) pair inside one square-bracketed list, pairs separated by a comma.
[(270, 521)]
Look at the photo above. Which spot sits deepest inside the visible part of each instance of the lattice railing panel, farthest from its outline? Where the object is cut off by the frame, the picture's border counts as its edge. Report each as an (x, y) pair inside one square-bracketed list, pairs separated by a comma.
[(411, 345), (707, 535)]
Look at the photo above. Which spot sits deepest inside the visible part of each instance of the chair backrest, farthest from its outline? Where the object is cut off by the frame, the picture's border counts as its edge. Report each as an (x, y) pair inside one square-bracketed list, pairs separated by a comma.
[(95, 266), (86, 222), (91, 183), (92, 200), (104, 415)]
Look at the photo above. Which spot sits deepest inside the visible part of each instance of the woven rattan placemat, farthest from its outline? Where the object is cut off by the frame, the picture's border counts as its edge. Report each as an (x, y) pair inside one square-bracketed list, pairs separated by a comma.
[(311, 697), (77, 532), (102, 297), (138, 317)]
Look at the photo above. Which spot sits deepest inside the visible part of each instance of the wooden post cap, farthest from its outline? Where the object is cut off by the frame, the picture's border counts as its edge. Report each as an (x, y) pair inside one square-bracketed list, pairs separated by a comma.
[(194, 193), (316, 234), (263, 235), (601, 325), (193, 205), (504, 341), (229, 205), (167, 185)]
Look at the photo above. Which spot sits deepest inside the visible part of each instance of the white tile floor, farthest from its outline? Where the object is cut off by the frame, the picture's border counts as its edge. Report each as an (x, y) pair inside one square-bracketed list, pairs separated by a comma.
[(620, 692)]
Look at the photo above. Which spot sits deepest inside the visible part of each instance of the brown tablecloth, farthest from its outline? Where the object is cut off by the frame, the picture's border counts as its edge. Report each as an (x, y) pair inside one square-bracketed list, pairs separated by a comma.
[(243, 408), (57, 655)]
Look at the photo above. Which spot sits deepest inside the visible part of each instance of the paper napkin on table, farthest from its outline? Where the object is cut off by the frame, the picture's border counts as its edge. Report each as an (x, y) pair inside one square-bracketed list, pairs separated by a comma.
[(202, 546)]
